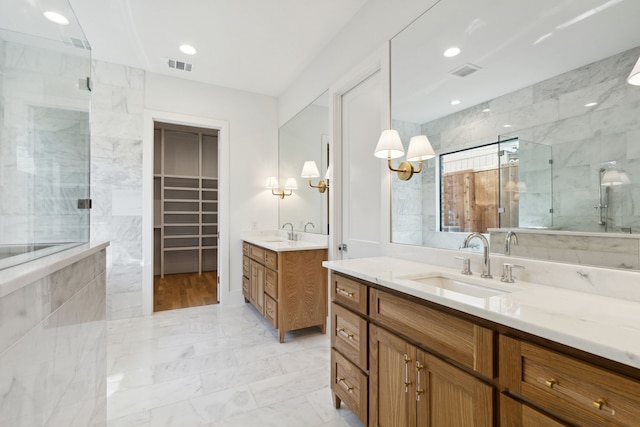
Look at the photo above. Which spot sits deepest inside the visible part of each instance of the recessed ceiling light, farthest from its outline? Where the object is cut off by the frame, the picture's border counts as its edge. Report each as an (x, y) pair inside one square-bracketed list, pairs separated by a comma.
[(451, 52), (507, 126), (591, 104), (187, 49), (56, 17), (486, 110), (455, 102)]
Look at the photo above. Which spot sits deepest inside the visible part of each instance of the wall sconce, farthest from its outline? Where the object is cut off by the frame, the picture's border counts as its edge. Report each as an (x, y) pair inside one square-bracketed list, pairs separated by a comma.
[(310, 170), (634, 77), (390, 147), (289, 186)]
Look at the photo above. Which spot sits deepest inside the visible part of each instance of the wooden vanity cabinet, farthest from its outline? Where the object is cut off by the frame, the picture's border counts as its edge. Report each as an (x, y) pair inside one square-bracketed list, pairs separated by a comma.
[(574, 390), (409, 387), (514, 413), (288, 288)]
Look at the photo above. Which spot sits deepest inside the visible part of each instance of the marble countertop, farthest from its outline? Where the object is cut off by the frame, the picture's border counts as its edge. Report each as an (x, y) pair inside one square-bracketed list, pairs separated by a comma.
[(604, 326), (277, 241)]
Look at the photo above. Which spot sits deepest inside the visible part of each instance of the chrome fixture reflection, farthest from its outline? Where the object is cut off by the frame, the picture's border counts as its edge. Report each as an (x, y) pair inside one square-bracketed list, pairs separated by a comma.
[(309, 223), (290, 234), (289, 186), (390, 147), (486, 263), (310, 170), (608, 178), (507, 241)]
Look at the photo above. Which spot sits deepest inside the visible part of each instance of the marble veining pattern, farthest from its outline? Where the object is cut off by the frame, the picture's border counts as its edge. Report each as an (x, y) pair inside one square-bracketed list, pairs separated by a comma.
[(218, 366), (116, 168), (54, 371)]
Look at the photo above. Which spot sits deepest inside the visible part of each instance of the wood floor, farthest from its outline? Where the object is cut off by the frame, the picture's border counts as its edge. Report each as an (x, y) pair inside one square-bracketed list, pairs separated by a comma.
[(184, 290)]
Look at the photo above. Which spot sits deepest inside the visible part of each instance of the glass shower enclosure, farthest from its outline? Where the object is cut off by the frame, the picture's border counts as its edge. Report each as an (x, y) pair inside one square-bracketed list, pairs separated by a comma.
[(45, 70)]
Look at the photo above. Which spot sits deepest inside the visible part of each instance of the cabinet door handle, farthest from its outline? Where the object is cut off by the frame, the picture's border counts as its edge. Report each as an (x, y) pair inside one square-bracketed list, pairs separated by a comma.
[(407, 383), (599, 404), (419, 389), (344, 292), (344, 333), (344, 385)]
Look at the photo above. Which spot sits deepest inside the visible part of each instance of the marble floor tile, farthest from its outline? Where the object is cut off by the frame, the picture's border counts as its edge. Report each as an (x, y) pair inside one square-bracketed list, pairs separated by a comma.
[(218, 366)]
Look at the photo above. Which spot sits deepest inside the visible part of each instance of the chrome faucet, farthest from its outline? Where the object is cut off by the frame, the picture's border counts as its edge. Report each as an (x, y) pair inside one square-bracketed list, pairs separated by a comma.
[(309, 223), (290, 234), (486, 263), (507, 241)]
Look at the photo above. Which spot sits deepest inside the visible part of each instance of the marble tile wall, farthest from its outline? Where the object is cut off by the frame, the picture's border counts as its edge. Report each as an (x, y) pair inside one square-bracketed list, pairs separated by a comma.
[(582, 140), (116, 181), (53, 349)]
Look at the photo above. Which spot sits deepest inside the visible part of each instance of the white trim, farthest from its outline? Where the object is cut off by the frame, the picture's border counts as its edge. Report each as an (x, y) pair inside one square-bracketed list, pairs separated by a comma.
[(150, 116), (378, 61)]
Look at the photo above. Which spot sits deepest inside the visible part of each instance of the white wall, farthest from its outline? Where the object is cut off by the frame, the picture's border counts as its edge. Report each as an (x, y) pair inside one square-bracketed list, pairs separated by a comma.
[(253, 152), (376, 23)]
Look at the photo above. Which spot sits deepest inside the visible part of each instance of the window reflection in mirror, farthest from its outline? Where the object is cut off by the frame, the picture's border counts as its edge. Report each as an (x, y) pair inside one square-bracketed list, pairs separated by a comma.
[(506, 184)]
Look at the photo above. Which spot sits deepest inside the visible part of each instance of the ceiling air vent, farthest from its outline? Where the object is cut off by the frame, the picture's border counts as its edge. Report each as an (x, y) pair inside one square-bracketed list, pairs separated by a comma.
[(179, 65), (77, 43), (465, 70)]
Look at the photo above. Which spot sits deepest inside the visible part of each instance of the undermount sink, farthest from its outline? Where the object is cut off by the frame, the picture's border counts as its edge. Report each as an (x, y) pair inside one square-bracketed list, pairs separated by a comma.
[(459, 286), (274, 241)]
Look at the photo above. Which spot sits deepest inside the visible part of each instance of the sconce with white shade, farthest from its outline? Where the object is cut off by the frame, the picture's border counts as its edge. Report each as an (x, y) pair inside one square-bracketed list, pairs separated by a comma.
[(634, 77), (390, 147), (289, 185), (614, 178), (310, 170)]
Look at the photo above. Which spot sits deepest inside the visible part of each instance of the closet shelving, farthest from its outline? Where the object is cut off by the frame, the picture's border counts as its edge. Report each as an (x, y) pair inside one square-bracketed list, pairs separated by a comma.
[(186, 200)]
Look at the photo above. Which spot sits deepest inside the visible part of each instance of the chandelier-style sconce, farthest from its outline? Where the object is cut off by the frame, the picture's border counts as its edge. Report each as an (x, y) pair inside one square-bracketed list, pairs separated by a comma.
[(310, 170), (390, 147), (289, 185)]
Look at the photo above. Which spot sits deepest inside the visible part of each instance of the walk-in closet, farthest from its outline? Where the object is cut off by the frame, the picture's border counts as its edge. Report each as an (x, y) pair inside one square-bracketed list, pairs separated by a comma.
[(185, 216)]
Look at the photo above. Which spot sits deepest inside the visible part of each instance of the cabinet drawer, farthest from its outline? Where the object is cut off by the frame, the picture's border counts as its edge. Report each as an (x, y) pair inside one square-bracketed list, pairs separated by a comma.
[(350, 385), (518, 414), (245, 266), (256, 253), (460, 340), (271, 283), (271, 259), (577, 391), (271, 311), (349, 335), (245, 248), (349, 293), (245, 287)]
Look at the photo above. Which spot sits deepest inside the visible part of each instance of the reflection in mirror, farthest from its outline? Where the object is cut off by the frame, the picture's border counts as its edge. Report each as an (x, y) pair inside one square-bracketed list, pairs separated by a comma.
[(530, 82), (305, 138)]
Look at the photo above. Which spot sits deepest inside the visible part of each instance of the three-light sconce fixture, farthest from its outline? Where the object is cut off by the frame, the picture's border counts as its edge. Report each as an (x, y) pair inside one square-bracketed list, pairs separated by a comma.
[(289, 185), (390, 147)]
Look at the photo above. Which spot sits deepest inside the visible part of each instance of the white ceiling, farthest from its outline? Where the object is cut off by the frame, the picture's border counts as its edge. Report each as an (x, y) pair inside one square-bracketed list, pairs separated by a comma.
[(254, 45)]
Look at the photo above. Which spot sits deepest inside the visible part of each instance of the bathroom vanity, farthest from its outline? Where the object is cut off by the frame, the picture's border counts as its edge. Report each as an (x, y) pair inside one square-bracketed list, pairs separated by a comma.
[(417, 344), (285, 281)]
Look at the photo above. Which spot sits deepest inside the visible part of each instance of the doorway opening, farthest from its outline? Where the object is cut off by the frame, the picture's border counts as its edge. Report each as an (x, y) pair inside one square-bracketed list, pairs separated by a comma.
[(185, 213)]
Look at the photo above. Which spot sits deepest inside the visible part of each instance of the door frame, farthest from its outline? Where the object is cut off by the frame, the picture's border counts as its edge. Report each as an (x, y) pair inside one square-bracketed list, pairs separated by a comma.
[(379, 61), (222, 126)]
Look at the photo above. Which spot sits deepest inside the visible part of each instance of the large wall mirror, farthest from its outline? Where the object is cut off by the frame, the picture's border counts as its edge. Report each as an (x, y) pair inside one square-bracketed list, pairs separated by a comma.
[(551, 77), (305, 138)]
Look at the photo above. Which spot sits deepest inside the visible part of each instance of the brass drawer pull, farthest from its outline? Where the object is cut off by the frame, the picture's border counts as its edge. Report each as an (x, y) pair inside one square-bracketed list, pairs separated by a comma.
[(344, 385), (599, 404), (407, 383), (344, 292), (344, 333), (419, 390)]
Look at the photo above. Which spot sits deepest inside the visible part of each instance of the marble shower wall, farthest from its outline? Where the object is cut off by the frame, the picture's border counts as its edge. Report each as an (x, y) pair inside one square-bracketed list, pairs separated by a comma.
[(53, 349), (44, 144), (553, 113), (116, 181)]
